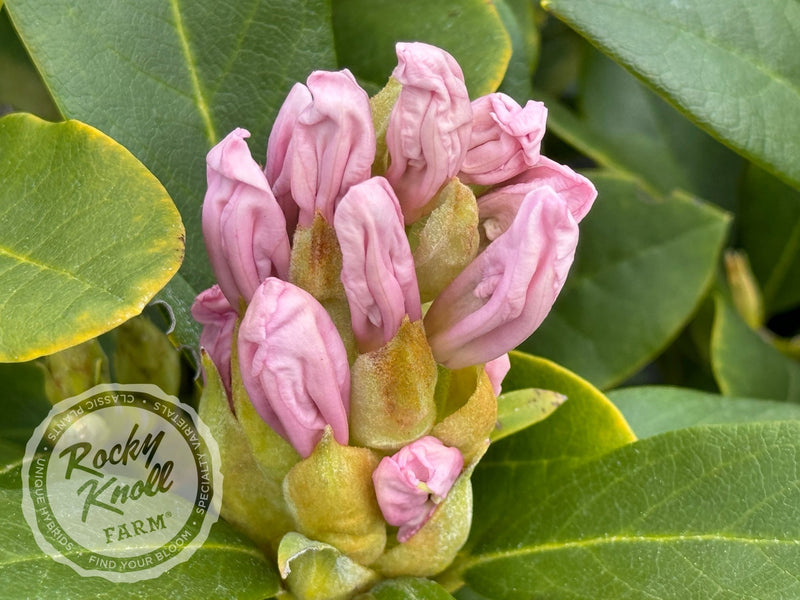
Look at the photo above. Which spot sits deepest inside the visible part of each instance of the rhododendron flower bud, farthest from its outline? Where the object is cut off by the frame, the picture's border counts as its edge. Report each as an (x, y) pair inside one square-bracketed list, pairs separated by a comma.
[(243, 225), (506, 292), (497, 370), (413, 481), (505, 139), (212, 310), (294, 365), (429, 127), (332, 143), (377, 268)]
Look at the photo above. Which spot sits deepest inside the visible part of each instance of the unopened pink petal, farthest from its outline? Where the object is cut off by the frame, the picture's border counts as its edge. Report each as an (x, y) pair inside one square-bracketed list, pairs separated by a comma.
[(298, 99), (294, 365), (377, 266), (409, 484), (429, 127), (212, 310), (505, 141), (323, 143), (498, 207), (576, 190), (496, 370), (243, 226), (506, 292)]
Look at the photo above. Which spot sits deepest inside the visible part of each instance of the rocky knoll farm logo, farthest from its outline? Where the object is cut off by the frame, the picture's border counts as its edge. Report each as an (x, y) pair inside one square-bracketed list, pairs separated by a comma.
[(121, 482)]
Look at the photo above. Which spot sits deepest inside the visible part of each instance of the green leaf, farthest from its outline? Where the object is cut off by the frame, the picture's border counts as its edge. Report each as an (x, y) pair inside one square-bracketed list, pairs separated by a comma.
[(651, 410), (769, 231), (226, 566), (520, 23), (747, 365), (522, 408), (169, 79), (623, 125), (88, 236), (316, 571), (366, 32), (729, 64), (407, 588), (587, 425), (696, 513), (641, 268), (24, 403), (175, 299), (20, 86)]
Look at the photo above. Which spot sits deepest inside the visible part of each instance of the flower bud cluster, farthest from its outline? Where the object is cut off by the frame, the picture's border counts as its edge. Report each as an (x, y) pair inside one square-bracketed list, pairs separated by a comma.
[(320, 257)]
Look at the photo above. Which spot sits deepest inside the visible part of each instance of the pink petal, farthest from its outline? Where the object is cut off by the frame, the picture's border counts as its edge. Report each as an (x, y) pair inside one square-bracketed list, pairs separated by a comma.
[(409, 484), (506, 292), (298, 99), (496, 370), (378, 269), (328, 143), (218, 319), (429, 127), (576, 190), (243, 226), (505, 140), (294, 365)]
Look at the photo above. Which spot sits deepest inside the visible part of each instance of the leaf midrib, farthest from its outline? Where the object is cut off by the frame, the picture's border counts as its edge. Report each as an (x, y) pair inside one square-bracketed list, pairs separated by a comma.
[(200, 101), (204, 548), (50, 268), (593, 542)]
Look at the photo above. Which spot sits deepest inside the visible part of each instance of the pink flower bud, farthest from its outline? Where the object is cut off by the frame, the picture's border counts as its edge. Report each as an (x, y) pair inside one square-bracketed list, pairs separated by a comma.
[(503, 295), (327, 140), (377, 267), (497, 370), (218, 319), (505, 139), (496, 209), (294, 365), (412, 482), (243, 226), (298, 99), (429, 127)]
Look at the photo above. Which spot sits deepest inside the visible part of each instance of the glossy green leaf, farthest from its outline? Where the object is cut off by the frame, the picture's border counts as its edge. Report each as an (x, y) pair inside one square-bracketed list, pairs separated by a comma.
[(747, 365), (519, 21), (407, 588), (226, 566), (731, 65), (769, 231), (623, 125), (366, 32), (88, 235), (651, 410), (20, 86), (641, 268), (586, 426), (519, 409), (696, 513), (169, 79)]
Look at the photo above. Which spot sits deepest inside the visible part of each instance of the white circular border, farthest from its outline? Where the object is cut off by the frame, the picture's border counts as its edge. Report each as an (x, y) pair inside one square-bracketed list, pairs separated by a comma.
[(210, 517)]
